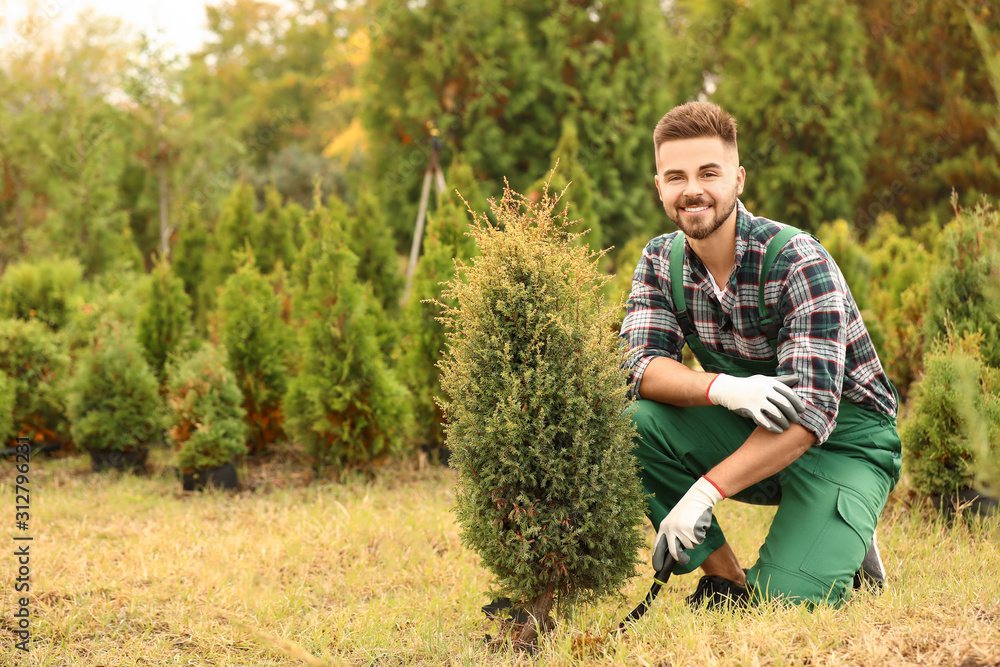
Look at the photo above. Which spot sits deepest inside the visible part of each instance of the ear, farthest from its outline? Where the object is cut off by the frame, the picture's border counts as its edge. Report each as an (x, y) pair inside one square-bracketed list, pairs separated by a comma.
[(656, 184), (741, 177)]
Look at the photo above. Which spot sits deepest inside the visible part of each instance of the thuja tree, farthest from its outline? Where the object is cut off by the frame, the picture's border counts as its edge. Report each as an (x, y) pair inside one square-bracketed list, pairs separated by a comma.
[(953, 426), (45, 290), (548, 491), (114, 403), (37, 365), (205, 418), (345, 406), (256, 339), (966, 282), (163, 322)]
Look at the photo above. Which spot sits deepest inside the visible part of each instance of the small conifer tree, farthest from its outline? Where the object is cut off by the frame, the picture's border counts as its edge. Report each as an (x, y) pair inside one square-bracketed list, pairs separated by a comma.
[(272, 233), (45, 290), (344, 405), (966, 282), (256, 340), (548, 492), (114, 401), (952, 429), (164, 320), (370, 239), (36, 364), (206, 420)]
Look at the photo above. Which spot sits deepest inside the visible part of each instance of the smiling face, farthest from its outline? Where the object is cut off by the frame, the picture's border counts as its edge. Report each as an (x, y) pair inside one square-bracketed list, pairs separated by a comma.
[(698, 181)]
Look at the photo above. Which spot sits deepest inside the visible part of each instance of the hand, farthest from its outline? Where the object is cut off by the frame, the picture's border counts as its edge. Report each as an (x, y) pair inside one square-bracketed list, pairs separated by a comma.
[(766, 400), (687, 523)]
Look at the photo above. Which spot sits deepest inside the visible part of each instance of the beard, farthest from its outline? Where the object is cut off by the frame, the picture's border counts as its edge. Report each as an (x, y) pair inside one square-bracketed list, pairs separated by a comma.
[(702, 229)]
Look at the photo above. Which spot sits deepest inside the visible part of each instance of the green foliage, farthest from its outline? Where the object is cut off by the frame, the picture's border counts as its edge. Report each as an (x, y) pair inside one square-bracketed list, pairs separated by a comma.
[(112, 296), (206, 420), (424, 340), (965, 286), (937, 108), (114, 401), (344, 405), (839, 239), (793, 76), (567, 168), (7, 397), (256, 340), (953, 415), (33, 358), (548, 493), (187, 256), (46, 290), (898, 297), (378, 264), (163, 322), (232, 231), (272, 233), (620, 285), (499, 79)]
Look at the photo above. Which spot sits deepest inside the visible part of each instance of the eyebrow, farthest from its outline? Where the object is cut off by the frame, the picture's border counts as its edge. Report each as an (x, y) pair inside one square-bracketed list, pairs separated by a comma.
[(710, 165)]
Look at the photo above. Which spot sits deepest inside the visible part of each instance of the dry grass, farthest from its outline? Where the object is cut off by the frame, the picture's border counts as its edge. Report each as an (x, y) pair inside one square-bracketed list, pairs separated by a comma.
[(131, 571)]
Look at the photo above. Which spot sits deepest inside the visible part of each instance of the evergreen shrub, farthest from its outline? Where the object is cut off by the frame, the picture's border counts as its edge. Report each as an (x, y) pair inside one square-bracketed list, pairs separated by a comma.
[(952, 429), (114, 402), (163, 321), (344, 405), (206, 424), (548, 491), (256, 340), (36, 363), (45, 290), (965, 286)]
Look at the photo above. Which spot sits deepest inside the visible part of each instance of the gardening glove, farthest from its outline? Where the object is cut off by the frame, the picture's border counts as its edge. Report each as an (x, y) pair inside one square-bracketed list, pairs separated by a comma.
[(687, 522), (766, 400)]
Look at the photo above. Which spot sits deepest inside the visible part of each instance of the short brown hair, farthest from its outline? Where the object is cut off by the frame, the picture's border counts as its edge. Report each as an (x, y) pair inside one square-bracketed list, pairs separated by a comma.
[(694, 120)]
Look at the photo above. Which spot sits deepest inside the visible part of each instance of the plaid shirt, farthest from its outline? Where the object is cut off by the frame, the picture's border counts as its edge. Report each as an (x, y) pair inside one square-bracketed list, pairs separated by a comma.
[(821, 338)]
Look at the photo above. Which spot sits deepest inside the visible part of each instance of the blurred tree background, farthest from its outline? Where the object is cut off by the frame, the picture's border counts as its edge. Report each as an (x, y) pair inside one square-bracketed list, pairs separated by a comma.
[(125, 168)]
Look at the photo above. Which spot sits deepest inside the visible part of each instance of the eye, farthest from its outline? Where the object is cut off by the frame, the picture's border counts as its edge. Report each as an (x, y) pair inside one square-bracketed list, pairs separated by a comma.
[(673, 179), (710, 174)]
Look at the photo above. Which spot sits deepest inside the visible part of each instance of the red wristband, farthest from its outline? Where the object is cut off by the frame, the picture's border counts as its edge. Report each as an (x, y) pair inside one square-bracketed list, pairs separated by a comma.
[(709, 388), (705, 477)]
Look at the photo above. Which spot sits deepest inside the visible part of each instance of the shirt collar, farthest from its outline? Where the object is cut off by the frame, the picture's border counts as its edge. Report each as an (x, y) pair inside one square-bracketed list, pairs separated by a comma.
[(743, 220)]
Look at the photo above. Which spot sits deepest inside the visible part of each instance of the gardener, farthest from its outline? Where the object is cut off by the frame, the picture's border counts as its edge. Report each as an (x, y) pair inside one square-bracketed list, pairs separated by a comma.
[(793, 407)]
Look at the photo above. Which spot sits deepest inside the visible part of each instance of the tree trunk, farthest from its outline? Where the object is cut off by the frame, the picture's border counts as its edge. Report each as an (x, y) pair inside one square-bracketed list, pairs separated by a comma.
[(539, 620)]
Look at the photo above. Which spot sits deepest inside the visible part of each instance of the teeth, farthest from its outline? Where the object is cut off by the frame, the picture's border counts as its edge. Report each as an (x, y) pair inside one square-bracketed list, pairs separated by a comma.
[(696, 210)]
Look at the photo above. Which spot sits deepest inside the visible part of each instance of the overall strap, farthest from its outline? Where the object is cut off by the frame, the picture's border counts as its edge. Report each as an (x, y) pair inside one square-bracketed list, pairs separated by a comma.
[(774, 246), (677, 287)]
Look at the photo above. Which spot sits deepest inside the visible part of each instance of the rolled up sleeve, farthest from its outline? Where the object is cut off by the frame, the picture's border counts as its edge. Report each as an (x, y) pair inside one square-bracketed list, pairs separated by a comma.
[(812, 341), (650, 328)]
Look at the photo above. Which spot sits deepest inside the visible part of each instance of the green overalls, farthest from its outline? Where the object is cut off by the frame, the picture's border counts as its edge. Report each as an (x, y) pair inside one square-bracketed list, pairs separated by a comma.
[(829, 499)]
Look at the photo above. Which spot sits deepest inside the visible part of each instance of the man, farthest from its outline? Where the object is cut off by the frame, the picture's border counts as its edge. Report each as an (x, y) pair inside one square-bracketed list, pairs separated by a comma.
[(793, 407)]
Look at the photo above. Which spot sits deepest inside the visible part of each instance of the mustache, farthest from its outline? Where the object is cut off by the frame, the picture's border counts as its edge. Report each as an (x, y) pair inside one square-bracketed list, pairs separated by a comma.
[(687, 203)]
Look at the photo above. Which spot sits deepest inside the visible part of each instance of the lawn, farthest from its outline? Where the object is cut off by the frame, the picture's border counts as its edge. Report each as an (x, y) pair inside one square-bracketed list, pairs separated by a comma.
[(129, 570)]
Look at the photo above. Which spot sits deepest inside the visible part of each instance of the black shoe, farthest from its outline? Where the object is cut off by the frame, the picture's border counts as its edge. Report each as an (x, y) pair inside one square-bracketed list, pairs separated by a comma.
[(714, 591)]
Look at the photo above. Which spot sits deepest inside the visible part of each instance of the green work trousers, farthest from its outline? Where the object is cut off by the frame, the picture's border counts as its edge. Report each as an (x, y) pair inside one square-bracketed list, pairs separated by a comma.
[(829, 499)]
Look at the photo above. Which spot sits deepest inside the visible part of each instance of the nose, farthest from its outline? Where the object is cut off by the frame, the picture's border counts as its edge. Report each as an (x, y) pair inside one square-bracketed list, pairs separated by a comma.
[(693, 188)]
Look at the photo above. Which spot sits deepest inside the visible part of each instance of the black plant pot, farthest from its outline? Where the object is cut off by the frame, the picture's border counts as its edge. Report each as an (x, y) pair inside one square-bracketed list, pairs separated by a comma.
[(974, 502), (223, 477), (111, 459)]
